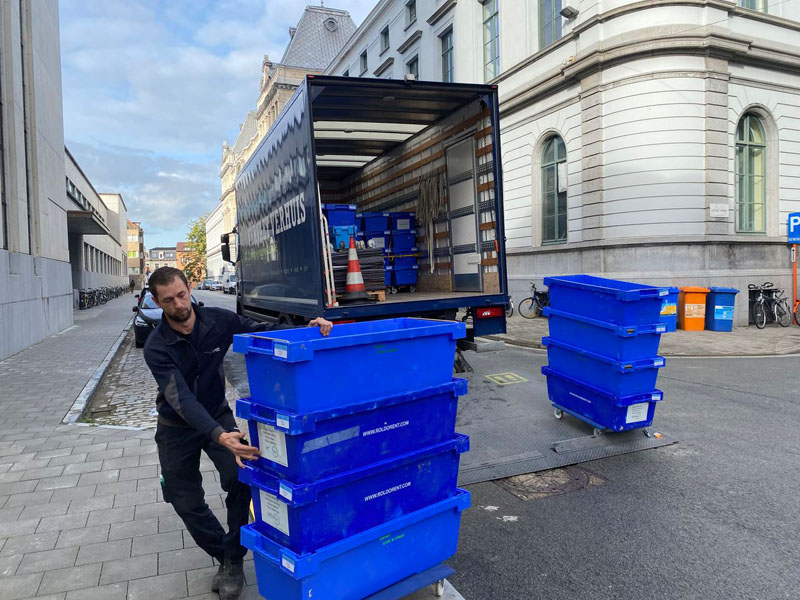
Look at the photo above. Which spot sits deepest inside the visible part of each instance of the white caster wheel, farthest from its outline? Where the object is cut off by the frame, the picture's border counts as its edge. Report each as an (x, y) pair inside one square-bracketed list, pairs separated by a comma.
[(558, 413), (394, 289), (412, 288), (438, 589), (598, 432)]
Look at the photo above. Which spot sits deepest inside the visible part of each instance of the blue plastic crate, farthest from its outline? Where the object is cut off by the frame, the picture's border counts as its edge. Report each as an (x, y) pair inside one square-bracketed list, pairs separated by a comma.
[(620, 378), (340, 236), (405, 276), (340, 215), (375, 240), (311, 446), (402, 221), (403, 241), (364, 563), (373, 222), (387, 275), (669, 309), (720, 303), (631, 342), (307, 516), (405, 260), (619, 302), (302, 371), (598, 408)]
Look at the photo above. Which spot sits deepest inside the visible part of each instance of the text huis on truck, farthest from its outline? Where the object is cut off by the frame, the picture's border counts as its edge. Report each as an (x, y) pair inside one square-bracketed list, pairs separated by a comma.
[(384, 146)]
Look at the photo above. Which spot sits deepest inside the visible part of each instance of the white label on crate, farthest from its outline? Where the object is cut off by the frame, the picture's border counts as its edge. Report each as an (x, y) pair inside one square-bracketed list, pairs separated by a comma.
[(403, 223), (285, 491), (287, 563), (385, 428), (281, 351), (661, 328), (387, 491), (655, 397), (637, 413), (274, 512), (282, 421), (272, 444), (659, 362)]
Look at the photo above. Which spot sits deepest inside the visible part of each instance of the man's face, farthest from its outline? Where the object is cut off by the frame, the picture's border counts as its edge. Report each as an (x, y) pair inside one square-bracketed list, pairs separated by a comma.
[(175, 300)]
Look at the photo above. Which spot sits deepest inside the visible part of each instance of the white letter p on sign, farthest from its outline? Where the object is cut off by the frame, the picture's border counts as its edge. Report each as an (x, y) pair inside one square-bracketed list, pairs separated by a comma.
[(794, 222)]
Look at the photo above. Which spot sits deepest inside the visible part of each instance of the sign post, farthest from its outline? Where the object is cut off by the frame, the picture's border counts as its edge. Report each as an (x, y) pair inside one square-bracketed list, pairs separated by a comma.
[(794, 238)]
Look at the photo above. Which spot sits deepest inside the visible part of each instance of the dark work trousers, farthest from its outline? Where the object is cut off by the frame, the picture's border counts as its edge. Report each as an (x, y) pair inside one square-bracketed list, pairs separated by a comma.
[(179, 454)]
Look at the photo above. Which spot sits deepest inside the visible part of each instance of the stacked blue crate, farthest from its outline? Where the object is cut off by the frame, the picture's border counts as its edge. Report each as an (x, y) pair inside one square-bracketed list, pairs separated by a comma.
[(405, 265), (352, 450), (341, 224), (603, 350)]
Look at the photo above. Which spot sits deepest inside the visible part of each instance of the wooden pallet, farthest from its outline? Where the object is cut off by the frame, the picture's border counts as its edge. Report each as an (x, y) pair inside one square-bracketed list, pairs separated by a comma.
[(378, 295)]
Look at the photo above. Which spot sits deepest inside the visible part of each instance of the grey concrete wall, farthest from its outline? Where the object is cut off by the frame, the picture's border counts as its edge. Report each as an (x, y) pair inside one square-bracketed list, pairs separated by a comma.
[(35, 300)]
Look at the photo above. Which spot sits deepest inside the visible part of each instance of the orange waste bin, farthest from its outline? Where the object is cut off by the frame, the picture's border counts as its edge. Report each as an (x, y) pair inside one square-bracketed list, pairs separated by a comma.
[(692, 308)]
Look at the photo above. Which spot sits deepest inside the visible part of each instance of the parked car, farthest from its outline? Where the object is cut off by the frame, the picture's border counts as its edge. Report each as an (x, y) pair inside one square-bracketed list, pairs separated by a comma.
[(140, 296), (229, 285), (215, 286), (205, 284), (148, 316)]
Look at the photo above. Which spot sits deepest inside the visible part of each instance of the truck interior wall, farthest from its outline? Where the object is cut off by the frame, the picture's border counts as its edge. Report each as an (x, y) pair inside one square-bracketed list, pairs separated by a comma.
[(392, 183)]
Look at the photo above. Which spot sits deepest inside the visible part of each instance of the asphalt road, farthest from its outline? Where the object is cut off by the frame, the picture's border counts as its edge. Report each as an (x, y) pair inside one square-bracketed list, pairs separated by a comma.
[(714, 516)]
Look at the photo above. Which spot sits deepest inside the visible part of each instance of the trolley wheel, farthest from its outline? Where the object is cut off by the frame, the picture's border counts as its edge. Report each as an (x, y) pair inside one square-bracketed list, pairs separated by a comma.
[(438, 588), (558, 413), (598, 432), (412, 288), (394, 289)]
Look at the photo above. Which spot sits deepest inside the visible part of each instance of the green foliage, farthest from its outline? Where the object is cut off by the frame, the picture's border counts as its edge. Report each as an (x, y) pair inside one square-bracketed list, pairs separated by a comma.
[(195, 268)]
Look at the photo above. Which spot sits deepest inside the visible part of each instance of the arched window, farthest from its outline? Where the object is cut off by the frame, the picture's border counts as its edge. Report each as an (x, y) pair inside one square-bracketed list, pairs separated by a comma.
[(554, 200), (751, 181)]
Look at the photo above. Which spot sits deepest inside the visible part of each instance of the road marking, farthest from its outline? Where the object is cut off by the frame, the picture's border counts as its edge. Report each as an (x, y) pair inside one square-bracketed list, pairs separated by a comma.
[(506, 378)]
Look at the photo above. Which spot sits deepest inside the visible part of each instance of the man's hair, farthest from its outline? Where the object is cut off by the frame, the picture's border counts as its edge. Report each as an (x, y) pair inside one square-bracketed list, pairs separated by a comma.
[(164, 276)]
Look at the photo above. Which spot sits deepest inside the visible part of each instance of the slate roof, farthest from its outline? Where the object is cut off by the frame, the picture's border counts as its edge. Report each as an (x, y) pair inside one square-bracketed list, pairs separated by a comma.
[(314, 45), (246, 133)]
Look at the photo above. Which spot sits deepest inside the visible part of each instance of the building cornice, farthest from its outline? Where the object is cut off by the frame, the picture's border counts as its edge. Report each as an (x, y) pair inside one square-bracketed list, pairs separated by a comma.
[(384, 65), (622, 11), (402, 48), (700, 42), (441, 12), (271, 94)]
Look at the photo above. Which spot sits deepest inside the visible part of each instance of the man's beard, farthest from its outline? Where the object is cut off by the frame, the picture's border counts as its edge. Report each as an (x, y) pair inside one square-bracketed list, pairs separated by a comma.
[(179, 317)]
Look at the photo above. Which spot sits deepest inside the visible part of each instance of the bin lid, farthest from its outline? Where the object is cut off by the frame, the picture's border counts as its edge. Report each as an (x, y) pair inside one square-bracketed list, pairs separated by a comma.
[(695, 289), (723, 290)]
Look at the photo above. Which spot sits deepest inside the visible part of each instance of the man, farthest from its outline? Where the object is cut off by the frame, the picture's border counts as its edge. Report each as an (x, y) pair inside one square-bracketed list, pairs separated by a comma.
[(185, 354)]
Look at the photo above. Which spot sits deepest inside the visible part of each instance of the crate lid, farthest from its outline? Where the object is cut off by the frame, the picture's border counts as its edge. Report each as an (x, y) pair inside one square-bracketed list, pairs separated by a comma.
[(694, 289), (723, 290)]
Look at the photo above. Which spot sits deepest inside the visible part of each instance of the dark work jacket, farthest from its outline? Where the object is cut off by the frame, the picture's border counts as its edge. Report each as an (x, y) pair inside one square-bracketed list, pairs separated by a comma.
[(191, 381)]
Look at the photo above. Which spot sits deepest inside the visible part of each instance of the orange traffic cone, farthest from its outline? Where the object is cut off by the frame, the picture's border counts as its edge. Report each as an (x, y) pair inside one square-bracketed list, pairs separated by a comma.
[(354, 285)]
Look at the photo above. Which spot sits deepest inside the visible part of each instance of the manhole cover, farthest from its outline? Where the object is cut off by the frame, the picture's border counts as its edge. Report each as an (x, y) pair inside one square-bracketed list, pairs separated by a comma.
[(549, 483)]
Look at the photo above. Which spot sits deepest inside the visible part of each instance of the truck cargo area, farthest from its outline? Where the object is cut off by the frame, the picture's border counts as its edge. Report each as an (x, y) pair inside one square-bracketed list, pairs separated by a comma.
[(415, 148)]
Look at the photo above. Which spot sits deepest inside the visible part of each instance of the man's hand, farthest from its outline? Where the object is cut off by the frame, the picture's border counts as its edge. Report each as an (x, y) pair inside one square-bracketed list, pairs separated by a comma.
[(232, 441), (324, 325)]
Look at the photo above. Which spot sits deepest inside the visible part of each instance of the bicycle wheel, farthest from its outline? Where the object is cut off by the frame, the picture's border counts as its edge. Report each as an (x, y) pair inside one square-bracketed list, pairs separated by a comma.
[(782, 312), (537, 308), (526, 308), (760, 315), (797, 314)]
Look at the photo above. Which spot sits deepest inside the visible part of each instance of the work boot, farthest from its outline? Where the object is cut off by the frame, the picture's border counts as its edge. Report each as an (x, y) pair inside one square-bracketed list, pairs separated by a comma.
[(231, 580), (217, 579)]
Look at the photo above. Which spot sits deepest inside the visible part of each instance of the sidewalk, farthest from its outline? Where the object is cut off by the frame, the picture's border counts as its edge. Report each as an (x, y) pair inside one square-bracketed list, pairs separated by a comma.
[(742, 341), (81, 511)]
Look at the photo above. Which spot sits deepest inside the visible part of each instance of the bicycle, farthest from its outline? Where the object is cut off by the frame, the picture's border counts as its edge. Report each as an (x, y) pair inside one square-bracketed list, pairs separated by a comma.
[(532, 306), (510, 308), (772, 304)]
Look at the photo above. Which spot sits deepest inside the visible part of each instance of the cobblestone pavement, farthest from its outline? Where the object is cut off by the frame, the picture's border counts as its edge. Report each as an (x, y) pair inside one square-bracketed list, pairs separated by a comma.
[(742, 341)]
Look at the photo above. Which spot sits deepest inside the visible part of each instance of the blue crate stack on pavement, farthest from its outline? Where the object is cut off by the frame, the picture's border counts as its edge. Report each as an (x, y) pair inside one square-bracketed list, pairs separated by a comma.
[(355, 487), (602, 350)]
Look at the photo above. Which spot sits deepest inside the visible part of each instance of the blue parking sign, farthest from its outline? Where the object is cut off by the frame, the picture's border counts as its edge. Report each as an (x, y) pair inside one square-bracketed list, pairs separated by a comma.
[(794, 228)]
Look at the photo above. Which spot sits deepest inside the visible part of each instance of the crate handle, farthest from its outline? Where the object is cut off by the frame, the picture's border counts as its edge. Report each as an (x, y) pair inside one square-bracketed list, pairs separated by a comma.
[(268, 349)]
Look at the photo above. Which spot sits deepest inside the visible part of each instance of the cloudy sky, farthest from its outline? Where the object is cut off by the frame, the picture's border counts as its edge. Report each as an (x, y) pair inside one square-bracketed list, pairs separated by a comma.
[(152, 88)]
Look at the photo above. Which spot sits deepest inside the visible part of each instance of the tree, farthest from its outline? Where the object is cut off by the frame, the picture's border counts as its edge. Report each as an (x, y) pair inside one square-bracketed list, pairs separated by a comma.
[(195, 268)]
